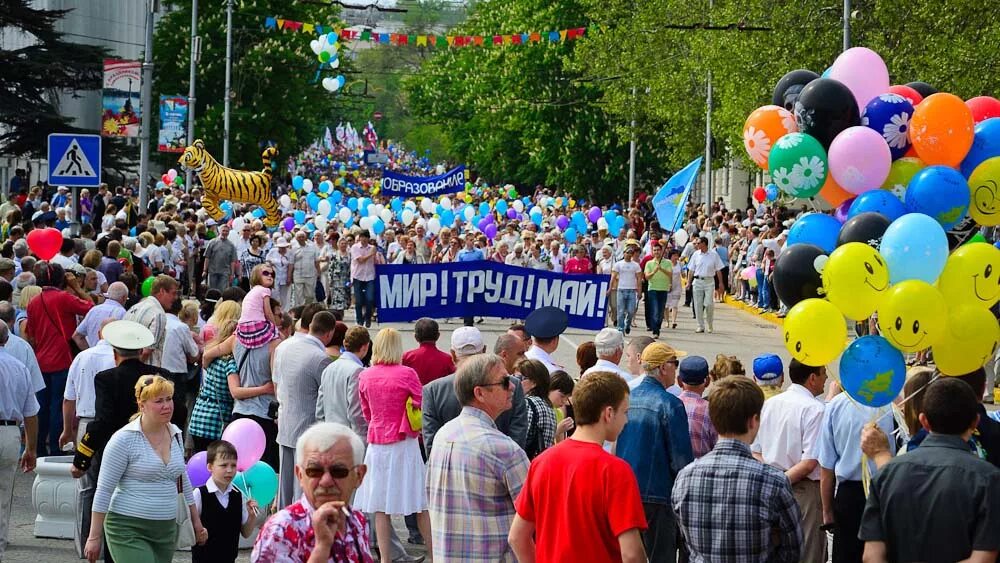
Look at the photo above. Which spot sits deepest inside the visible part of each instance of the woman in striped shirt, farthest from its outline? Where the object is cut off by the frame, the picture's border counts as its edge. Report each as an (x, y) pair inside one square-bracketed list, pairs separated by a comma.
[(142, 471)]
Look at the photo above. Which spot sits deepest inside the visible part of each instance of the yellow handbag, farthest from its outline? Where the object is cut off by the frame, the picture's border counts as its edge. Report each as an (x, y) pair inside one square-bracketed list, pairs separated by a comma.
[(413, 415)]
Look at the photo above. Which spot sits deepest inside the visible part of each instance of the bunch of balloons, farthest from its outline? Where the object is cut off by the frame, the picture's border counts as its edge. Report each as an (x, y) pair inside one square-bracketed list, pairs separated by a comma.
[(325, 48), (255, 479), (170, 180)]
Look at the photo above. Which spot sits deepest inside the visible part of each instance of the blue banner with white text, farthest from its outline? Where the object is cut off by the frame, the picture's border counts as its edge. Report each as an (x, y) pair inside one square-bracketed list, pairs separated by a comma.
[(407, 292), (396, 184)]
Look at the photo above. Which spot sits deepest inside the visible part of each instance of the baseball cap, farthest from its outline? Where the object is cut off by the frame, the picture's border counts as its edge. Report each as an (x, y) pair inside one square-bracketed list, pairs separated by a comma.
[(609, 338), (767, 368), (694, 370), (466, 341), (658, 353)]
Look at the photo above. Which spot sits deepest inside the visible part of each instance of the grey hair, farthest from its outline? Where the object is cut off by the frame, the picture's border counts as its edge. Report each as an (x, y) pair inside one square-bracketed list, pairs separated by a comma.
[(6, 312), (506, 342), (23, 280), (605, 352), (323, 435), (651, 371), (4, 333), (474, 372), (118, 291)]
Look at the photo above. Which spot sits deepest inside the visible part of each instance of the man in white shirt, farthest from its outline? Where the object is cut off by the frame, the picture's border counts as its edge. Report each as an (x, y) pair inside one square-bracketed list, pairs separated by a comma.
[(705, 268), (86, 334), (545, 325), (790, 426), (79, 397), (626, 279), (20, 349), (610, 348)]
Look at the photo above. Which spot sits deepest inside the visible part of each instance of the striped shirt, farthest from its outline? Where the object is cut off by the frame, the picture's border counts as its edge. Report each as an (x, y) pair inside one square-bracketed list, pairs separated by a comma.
[(473, 476), (703, 435), (135, 482), (150, 314), (17, 398), (90, 326)]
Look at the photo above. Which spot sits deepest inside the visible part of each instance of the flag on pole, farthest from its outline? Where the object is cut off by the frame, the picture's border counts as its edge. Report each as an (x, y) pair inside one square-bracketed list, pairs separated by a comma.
[(670, 201), (328, 140), (371, 137)]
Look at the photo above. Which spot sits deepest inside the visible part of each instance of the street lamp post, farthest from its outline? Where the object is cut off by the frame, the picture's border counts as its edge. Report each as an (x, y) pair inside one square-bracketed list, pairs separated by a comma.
[(146, 97), (229, 82), (195, 55)]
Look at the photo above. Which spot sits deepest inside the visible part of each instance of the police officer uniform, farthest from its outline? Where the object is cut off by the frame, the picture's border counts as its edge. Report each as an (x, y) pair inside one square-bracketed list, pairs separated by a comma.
[(545, 323), (114, 405)]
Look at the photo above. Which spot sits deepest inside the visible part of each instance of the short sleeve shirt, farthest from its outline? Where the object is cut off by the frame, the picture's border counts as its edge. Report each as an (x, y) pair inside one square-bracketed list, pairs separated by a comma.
[(627, 271), (660, 281)]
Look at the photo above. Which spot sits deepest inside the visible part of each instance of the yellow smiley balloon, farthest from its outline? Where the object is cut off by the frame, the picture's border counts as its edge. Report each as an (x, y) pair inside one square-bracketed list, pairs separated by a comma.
[(971, 276), (970, 341), (984, 192), (855, 279), (913, 316), (815, 333)]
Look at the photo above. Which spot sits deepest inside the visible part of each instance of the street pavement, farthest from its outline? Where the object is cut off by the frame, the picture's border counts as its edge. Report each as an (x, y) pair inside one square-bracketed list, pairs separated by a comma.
[(737, 333)]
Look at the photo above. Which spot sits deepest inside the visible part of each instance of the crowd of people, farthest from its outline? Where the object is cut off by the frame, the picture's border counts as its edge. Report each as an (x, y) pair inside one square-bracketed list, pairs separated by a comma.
[(152, 330)]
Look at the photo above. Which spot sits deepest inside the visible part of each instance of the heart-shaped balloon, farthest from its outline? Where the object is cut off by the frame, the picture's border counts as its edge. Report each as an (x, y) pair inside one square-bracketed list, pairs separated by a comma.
[(334, 63), (45, 243), (315, 46), (331, 84)]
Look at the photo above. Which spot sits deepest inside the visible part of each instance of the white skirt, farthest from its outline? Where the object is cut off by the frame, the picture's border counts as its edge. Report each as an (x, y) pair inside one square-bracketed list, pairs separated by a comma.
[(394, 483)]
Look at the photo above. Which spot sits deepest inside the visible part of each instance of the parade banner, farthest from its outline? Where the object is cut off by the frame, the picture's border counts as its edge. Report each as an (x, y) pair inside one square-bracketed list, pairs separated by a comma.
[(670, 201), (487, 289), (173, 123), (120, 101), (395, 184)]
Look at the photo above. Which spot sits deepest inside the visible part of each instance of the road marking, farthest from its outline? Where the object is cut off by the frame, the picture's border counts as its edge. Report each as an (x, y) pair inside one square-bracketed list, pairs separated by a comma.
[(568, 341)]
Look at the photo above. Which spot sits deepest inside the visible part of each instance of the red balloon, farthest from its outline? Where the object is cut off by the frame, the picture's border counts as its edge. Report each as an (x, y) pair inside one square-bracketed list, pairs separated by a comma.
[(983, 107), (165, 178), (908, 93), (45, 243), (759, 194)]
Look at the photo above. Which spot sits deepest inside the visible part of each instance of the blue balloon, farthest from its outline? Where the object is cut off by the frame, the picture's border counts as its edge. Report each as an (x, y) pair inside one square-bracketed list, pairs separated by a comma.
[(378, 227), (331, 38), (940, 192), (815, 228), (396, 204), (914, 247), (872, 371), (364, 202), (536, 218), (501, 206), (349, 222), (313, 200), (772, 192), (352, 204), (258, 213), (300, 217), (826, 73), (447, 217), (985, 145), (439, 209), (889, 115), (324, 186), (297, 182), (570, 235), (337, 196), (310, 226), (879, 201), (226, 208), (610, 214), (484, 208)]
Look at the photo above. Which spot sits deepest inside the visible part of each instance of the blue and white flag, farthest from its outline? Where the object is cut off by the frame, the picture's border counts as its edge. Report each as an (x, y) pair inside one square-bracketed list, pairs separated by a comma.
[(396, 184), (670, 201), (484, 288)]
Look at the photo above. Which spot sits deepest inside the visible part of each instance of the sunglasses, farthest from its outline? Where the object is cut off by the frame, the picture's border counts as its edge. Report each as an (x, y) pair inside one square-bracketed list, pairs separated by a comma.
[(505, 383), (335, 471), (267, 274)]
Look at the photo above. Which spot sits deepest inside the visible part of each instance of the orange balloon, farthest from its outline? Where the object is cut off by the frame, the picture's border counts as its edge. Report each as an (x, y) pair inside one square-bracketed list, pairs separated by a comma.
[(942, 129), (833, 193), (763, 128)]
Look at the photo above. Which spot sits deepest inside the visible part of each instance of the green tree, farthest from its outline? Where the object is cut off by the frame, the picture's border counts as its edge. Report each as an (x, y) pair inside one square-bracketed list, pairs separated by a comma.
[(276, 96)]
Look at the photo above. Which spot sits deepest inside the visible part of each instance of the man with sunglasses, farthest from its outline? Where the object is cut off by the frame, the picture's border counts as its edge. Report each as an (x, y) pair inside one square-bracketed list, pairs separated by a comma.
[(320, 526)]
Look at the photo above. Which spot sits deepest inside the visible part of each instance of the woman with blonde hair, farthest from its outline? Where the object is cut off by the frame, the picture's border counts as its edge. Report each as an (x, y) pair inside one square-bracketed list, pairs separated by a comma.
[(21, 320), (395, 480), (142, 470), (224, 311)]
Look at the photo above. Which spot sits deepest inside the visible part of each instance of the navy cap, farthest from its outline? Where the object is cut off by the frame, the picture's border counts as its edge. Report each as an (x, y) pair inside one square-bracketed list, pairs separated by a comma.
[(547, 322), (768, 367), (693, 370)]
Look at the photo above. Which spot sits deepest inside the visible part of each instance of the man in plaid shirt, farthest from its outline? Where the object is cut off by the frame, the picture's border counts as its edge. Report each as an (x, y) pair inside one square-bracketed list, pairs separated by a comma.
[(693, 375), (730, 506)]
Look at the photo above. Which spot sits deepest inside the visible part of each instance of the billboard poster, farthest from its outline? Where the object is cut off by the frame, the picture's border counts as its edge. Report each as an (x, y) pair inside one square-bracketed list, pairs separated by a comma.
[(120, 102), (173, 123)]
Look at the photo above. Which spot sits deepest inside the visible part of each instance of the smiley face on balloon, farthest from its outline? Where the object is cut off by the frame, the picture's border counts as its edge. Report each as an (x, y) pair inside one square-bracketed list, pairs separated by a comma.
[(814, 332), (985, 202), (971, 276), (970, 341), (913, 316), (855, 279)]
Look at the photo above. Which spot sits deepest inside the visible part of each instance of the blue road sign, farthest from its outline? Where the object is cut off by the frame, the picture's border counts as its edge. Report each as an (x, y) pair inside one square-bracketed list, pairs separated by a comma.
[(74, 160)]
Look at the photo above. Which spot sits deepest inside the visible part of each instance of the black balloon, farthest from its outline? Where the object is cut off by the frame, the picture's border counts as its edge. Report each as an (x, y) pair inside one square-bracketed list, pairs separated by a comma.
[(790, 86), (923, 88), (864, 227), (825, 108), (795, 275)]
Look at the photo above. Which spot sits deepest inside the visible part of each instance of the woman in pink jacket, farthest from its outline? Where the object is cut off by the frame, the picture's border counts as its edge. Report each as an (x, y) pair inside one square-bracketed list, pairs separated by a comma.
[(394, 483)]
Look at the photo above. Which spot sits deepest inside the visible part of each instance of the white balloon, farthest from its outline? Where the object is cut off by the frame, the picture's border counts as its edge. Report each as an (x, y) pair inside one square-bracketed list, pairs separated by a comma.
[(427, 205), (285, 201), (320, 222), (344, 214), (446, 202), (322, 42), (315, 46), (410, 205), (534, 209), (307, 185), (324, 208), (602, 223), (518, 206), (331, 84), (371, 211), (366, 222), (386, 216), (434, 225), (421, 222), (407, 217), (681, 237), (469, 212), (439, 169)]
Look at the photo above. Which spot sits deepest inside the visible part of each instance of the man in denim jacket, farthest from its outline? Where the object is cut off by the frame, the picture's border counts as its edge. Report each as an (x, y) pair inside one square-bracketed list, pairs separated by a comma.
[(656, 443)]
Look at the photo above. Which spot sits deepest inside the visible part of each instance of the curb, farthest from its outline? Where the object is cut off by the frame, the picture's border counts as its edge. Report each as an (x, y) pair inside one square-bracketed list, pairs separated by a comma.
[(769, 317)]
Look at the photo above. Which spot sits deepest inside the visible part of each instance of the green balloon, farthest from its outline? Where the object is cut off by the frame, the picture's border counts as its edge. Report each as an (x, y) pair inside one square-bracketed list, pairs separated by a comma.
[(261, 481), (147, 286), (798, 165), (512, 193), (900, 174), (324, 56)]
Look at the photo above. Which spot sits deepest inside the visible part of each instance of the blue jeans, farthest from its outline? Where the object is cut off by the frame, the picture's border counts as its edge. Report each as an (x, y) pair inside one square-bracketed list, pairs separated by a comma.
[(50, 421), (656, 302), (364, 300), (763, 292), (628, 300)]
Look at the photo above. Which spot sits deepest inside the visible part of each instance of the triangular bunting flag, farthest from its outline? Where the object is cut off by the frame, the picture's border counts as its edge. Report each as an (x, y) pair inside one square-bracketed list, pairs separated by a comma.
[(562, 35), (421, 41), (478, 40), (442, 41), (450, 39), (319, 29), (498, 39), (281, 24), (515, 39), (293, 25), (411, 39), (270, 23), (524, 38), (308, 28), (383, 37), (366, 35), (553, 36), (535, 37)]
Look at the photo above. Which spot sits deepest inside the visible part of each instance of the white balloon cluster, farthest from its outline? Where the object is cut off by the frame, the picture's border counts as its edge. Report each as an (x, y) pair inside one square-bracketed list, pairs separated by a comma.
[(325, 49)]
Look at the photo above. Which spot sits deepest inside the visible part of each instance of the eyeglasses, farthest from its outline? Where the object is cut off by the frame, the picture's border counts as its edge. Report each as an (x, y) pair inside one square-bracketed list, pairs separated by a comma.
[(267, 274), (335, 471), (505, 383)]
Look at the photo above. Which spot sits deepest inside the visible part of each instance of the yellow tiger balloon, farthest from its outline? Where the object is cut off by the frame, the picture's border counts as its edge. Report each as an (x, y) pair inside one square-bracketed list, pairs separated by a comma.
[(225, 184)]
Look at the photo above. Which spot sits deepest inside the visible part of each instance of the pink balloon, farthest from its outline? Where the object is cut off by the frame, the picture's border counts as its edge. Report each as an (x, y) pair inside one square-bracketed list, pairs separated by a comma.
[(172, 174), (197, 469), (864, 72), (859, 159), (248, 438)]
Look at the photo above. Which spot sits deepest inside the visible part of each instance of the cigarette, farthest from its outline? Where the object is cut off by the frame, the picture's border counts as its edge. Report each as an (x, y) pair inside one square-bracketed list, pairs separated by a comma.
[(345, 512)]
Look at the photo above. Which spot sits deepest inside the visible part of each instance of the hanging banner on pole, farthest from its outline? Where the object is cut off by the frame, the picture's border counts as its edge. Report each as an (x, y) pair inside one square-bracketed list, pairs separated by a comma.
[(671, 200), (173, 123), (395, 184), (120, 102)]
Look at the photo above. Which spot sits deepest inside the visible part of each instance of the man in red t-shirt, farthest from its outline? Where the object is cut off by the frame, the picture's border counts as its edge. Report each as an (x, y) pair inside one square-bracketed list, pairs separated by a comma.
[(429, 362), (579, 502)]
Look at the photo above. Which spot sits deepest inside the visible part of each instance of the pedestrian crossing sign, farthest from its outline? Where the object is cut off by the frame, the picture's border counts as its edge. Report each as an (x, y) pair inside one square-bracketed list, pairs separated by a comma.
[(74, 160)]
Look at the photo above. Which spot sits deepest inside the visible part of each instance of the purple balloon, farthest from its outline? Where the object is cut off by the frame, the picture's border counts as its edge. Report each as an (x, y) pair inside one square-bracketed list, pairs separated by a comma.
[(511, 213), (594, 214), (840, 213), (490, 231), (483, 223), (562, 222), (288, 224), (197, 469)]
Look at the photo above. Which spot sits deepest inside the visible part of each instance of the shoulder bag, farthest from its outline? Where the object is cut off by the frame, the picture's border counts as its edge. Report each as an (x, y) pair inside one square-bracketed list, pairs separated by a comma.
[(185, 528)]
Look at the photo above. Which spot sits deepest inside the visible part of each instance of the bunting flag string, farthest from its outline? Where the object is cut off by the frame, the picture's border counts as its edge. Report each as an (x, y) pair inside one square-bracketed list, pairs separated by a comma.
[(438, 41)]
